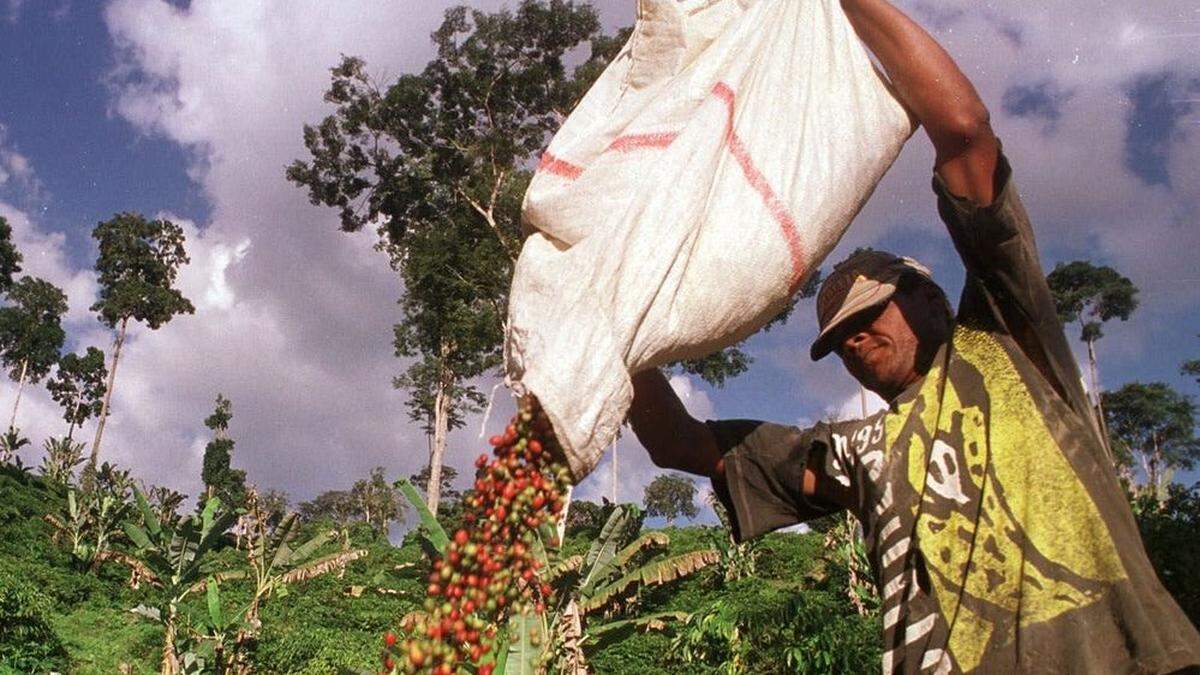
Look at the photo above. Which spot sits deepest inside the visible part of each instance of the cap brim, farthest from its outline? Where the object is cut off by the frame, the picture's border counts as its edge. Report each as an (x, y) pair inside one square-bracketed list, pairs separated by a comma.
[(826, 341)]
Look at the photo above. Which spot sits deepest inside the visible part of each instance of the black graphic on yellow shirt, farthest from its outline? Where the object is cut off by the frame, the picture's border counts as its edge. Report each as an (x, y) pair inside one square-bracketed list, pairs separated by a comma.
[(990, 489)]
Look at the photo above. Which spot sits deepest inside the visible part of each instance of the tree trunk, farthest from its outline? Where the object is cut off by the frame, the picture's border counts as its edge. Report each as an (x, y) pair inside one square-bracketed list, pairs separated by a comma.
[(1152, 468), (12, 423), (1095, 375), (170, 660), (112, 374), (441, 424), (570, 627), (561, 526), (74, 414)]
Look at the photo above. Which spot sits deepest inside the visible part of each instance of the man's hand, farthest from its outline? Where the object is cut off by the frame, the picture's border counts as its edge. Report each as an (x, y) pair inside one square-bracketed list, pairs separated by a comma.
[(931, 85), (674, 439)]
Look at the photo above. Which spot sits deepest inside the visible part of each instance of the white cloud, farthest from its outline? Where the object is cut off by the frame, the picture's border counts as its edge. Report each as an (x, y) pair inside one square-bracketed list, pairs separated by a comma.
[(294, 318)]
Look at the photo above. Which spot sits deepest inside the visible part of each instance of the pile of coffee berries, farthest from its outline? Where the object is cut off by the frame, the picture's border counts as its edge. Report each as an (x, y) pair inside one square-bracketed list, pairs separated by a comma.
[(489, 569)]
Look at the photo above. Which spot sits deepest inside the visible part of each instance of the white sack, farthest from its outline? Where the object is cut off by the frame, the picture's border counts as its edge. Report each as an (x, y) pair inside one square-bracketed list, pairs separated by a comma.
[(715, 163)]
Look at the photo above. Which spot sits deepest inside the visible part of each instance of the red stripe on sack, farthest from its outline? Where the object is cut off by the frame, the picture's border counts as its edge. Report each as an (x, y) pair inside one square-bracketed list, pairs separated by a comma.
[(636, 141), (759, 182), (559, 167)]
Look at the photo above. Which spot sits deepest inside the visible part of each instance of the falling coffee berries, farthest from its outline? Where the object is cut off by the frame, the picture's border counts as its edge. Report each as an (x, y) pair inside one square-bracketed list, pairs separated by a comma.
[(489, 569)]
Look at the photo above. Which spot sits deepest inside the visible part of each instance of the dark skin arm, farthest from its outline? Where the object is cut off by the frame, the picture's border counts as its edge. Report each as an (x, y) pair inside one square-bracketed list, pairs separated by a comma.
[(675, 439), (931, 85)]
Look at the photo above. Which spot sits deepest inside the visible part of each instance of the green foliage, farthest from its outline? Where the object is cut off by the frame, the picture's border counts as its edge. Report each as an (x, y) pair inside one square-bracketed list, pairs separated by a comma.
[(585, 519), (759, 628), (174, 552), (670, 496), (378, 501), (31, 332), (449, 494), (61, 457), (527, 639), (431, 529), (11, 442), (1091, 294), (78, 385), (219, 477), (28, 642), (138, 264), (1169, 533), (1156, 424), (738, 561), (10, 257), (90, 521)]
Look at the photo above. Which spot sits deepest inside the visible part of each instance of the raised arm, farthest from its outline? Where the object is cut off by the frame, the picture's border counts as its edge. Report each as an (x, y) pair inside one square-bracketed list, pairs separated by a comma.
[(935, 90), (674, 439)]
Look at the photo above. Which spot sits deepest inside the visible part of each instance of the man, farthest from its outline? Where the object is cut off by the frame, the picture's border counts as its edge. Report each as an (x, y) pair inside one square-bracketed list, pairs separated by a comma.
[(999, 536)]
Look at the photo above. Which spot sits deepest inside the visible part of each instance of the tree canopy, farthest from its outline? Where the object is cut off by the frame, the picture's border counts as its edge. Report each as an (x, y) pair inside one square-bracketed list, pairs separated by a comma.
[(78, 385), (1155, 424), (1091, 295), (437, 162), (220, 478), (137, 267), (10, 257), (671, 496), (31, 332)]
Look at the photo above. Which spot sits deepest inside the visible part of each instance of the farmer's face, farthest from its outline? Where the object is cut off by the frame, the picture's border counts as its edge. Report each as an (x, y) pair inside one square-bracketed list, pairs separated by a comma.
[(890, 347)]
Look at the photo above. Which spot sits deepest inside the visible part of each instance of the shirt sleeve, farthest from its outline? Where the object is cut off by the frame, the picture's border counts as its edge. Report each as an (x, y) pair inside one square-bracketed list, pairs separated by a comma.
[(764, 470), (1005, 284)]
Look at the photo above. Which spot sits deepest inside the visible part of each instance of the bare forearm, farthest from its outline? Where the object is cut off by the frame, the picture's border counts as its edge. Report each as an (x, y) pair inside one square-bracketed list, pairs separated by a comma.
[(674, 439), (938, 93), (927, 79)]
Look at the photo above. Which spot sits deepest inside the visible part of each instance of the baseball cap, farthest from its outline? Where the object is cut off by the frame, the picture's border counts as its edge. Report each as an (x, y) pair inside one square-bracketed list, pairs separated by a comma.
[(865, 280)]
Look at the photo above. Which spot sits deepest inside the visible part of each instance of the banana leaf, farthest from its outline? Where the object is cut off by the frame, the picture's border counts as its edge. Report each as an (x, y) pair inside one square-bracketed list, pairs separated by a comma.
[(523, 656), (650, 574), (622, 525), (616, 631), (433, 529)]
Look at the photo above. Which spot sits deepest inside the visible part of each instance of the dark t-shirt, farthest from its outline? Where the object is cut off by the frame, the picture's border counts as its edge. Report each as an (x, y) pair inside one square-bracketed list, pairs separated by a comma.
[(999, 536)]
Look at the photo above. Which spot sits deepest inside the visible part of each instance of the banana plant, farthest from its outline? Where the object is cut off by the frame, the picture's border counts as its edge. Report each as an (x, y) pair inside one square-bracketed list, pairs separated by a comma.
[(173, 555), (61, 458), (89, 521), (618, 567), (10, 442), (219, 629), (738, 561), (277, 560)]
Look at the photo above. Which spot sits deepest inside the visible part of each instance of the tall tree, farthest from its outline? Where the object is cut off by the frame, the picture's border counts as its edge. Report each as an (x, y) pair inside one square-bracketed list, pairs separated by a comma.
[(31, 332), (219, 477), (439, 158), (378, 502), (671, 496), (78, 386), (438, 163), (138, 264), (1155, 424), (339, 506), (1090, 295), (10, 257)]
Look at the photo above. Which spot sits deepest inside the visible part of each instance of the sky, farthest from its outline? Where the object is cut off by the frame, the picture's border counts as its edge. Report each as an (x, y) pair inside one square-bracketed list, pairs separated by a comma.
[(191, 111)]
